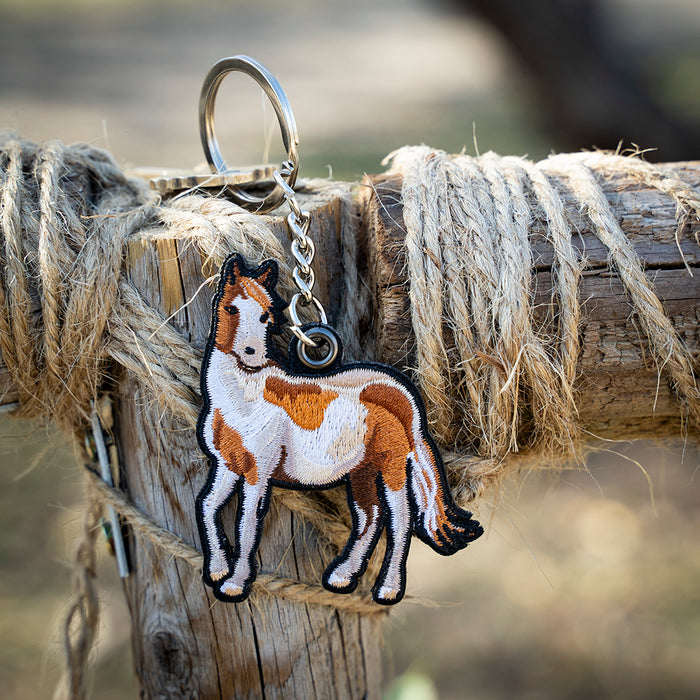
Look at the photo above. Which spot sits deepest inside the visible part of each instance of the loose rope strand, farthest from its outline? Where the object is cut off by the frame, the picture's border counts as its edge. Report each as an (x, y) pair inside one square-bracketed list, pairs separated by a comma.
[(265, 583)]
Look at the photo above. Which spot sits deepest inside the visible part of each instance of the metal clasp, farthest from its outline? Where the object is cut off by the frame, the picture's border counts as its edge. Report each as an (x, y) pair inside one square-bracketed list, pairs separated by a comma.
[(98, 450), (298, 220)]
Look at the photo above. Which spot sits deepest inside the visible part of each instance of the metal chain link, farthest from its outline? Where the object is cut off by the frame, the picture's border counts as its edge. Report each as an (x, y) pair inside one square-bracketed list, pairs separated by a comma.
[(303, 250), (298, 220)]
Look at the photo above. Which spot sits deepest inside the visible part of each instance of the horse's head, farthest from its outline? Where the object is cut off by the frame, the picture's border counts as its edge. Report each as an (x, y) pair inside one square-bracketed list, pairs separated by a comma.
[(248, 311)]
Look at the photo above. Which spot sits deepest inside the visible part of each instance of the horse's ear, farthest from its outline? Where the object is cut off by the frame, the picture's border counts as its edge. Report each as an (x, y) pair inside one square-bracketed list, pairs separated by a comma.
[(234, 268), (267, 274)]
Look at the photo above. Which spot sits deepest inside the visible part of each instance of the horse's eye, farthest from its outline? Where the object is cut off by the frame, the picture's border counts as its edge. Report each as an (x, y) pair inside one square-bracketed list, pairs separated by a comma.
[(233, 310), (264, 318)]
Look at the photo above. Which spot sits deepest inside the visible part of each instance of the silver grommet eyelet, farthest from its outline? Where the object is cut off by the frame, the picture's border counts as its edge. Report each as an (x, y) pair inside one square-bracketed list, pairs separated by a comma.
[(324, 338)]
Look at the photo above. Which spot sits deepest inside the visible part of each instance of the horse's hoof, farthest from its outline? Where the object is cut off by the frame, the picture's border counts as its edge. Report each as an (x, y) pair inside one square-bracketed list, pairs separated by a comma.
[(387, 594), (339, 583), (218, 575), (231, 589)]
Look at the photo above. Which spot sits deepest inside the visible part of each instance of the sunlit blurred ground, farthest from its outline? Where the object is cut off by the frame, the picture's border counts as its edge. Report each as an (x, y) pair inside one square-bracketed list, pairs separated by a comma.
[(583, 587)]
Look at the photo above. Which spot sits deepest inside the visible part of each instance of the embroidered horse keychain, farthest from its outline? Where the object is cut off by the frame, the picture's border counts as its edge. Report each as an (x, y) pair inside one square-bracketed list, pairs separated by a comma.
[(306, 421)]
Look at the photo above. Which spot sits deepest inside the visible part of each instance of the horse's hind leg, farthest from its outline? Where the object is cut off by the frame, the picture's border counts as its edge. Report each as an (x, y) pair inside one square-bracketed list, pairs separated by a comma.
[(367, 515), (218, 491), (391, 583)]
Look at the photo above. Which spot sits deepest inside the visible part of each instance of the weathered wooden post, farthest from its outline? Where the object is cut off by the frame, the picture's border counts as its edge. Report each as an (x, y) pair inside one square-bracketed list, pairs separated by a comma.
[(185, 642), (188, 644)]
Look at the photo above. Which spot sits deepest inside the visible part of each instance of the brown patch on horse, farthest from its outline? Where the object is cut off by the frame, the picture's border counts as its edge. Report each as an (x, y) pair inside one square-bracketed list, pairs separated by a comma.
[(226, 323), (390, 431), (255, 290), (363, 487), (279, 474), (230, 444), (304, 403), (387, 445), (393, 400)]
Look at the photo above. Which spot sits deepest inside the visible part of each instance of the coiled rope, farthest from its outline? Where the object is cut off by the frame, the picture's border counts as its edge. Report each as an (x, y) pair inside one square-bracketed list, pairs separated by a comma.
[(470, 271)]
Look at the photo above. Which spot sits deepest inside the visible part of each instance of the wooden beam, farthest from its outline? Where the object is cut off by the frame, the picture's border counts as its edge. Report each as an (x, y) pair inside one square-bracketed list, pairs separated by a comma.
[(188, 644), (618, 387)]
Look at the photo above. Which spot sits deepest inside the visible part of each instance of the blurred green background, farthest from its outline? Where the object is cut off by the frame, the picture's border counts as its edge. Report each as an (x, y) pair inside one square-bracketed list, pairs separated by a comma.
[(585, 586)]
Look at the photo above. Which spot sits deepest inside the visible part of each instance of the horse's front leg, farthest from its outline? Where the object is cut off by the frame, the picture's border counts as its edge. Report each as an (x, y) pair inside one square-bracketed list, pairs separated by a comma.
[(252, 506), (213, 497)]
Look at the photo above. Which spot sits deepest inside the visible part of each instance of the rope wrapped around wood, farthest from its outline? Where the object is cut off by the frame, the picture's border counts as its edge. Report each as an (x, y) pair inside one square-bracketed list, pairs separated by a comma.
[(482, 365), (68, 310)]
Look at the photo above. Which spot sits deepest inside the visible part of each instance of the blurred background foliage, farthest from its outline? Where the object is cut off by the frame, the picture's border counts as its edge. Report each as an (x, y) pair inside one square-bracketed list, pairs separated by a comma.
[(586, 584)]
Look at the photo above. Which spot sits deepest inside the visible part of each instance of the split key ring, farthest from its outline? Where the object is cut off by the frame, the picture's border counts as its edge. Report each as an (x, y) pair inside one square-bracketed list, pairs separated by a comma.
[(288, 127)]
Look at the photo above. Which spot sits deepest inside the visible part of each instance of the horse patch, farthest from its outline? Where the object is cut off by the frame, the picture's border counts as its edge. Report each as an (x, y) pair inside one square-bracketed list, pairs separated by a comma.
[(266, 421)]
